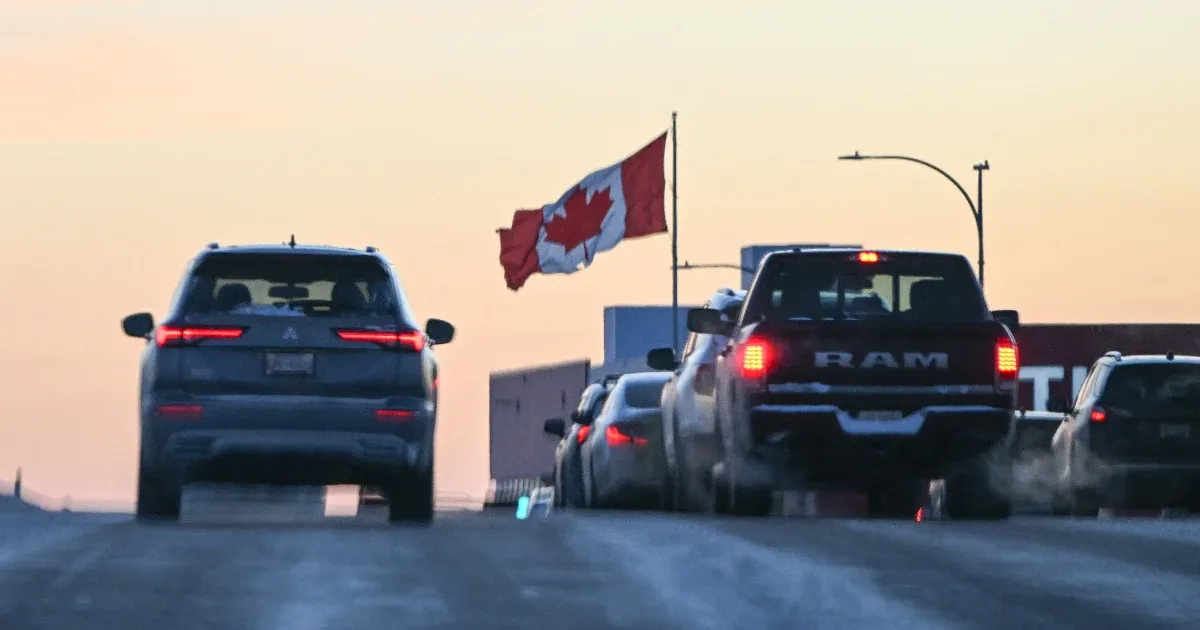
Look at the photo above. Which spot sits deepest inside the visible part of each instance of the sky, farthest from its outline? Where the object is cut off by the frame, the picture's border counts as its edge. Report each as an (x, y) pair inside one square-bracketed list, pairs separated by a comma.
[(132, 133)]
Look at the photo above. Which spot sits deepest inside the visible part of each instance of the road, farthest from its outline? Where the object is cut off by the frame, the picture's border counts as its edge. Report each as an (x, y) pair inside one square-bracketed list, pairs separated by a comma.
[(602, 570)]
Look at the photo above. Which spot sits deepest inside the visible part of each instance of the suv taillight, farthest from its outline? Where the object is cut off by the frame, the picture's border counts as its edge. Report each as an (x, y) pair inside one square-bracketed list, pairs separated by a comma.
[(404, 340), (754, 358), (1007, 360), (179, 335)]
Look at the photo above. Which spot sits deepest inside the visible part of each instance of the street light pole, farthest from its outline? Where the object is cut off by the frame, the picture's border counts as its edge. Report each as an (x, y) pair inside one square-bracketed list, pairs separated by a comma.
[(687, 265), (976, 209), (980, 168)]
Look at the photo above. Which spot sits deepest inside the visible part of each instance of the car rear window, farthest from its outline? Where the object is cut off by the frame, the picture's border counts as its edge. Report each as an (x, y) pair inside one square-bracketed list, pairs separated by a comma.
[(910, 287), (1149, 387), (644, 394), (296, 285)]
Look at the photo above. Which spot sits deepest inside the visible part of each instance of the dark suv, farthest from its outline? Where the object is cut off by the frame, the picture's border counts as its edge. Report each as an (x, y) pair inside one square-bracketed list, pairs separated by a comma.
[(1131, 437), (288, 364)]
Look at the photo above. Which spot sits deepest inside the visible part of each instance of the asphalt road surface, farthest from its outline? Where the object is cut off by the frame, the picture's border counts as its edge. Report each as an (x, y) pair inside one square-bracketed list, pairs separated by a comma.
[(603, 570)]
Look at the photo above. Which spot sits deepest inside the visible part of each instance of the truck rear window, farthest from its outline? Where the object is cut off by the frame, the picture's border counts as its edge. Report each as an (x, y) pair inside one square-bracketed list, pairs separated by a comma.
[(1153, 387), (295, 285), (909, 287)]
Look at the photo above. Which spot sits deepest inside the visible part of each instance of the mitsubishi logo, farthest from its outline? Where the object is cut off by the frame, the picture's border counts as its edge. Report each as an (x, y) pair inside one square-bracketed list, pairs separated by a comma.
[(290, 334)]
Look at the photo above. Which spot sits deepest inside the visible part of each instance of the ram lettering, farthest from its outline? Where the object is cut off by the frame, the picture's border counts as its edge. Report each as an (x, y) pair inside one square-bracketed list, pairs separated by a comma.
[(909, 360)]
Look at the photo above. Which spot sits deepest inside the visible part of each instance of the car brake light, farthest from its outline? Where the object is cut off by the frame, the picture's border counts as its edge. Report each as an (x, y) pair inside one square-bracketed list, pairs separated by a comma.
[(581, 436), (178, 411), (1098, 415), (177, 335), (615, 438), (868, 257), (756, 358), (1007, 363), (414, 341), (394, 415)]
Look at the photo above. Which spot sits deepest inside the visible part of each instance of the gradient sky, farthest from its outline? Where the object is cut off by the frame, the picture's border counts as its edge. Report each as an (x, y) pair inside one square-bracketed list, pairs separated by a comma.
[(132, 133)]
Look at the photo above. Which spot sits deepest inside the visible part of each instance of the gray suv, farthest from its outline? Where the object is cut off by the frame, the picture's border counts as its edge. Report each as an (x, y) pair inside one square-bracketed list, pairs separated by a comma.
[(287, 364)]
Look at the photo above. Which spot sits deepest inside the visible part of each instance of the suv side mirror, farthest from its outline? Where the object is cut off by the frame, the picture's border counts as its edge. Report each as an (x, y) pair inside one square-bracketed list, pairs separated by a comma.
[(708, 321), (661, 359), (1009, 318), (138, 325), (555, 427), (439, 331)]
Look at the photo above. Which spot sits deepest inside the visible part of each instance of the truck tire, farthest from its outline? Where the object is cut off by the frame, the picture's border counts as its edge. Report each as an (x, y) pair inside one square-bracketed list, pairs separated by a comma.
[(978, 491), (738, 500), (898, 500), (751, 502), (157, 498), (410, 499)]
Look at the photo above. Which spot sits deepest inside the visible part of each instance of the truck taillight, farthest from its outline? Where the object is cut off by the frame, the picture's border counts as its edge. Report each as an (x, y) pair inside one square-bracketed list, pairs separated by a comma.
[(407, 340), (1007, 360), (581, 436), (755, 358), (179, 335)]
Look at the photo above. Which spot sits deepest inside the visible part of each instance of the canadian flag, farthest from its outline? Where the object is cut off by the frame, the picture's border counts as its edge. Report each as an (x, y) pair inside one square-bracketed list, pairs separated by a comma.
[(621, 201)]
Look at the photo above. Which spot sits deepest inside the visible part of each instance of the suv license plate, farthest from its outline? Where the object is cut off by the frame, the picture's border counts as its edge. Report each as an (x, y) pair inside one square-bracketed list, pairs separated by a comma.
[(1169, 431), (289, 364), (880, 416)]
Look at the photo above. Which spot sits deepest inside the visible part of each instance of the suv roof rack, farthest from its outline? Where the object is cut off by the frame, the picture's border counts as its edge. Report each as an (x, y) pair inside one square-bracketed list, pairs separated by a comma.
[(1113, 354)]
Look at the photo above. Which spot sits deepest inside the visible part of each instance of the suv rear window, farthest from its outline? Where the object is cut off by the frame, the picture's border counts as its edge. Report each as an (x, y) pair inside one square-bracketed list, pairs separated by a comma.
[(1147, 387), (296, 285), (910, 287)]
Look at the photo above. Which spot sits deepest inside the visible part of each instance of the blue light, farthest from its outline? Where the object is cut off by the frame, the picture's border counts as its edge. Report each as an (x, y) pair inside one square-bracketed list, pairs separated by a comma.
[(523, 508)]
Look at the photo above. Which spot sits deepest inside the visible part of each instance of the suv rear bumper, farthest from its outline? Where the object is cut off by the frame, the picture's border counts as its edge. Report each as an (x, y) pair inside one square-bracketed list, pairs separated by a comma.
[(1150, 485), (281, 439), (829, 445), (304, 457)]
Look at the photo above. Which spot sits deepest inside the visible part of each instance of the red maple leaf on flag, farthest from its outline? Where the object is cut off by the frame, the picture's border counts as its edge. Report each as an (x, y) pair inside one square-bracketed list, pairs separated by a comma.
[(582, 220)]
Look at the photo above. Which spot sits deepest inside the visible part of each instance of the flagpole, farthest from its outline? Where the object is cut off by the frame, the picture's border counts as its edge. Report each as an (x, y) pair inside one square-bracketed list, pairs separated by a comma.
[(674, 237)]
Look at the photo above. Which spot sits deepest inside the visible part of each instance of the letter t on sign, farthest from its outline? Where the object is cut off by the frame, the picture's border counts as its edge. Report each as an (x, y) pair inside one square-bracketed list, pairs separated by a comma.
[(1040, 376)]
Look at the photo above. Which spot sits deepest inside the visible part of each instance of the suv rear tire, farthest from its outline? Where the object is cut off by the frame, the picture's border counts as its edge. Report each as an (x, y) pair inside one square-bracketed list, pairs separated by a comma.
[(410, 499), (157, 498)]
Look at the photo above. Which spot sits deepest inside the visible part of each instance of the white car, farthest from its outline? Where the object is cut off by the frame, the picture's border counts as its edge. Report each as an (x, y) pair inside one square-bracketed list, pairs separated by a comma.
[(622, 458)]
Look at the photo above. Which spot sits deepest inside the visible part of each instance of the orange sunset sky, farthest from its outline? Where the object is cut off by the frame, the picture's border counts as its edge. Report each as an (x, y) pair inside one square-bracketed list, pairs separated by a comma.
[(132, 133)]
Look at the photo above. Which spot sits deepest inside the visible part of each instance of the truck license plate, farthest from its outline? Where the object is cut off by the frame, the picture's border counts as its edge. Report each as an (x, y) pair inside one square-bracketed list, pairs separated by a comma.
[(880, 416), (289, 364), (1174, 431)]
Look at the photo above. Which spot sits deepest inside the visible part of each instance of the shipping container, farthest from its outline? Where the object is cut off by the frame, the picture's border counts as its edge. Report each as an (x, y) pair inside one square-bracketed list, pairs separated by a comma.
[(521, 401), (1055, 358), (632, 331)]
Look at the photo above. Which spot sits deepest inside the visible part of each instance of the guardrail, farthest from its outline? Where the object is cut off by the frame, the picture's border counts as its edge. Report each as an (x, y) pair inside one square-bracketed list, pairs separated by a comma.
[(35, 500), (506, 492)]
